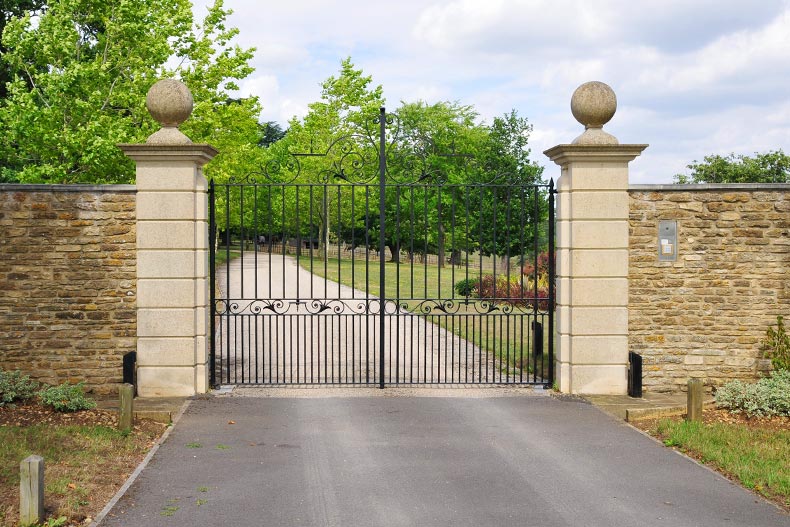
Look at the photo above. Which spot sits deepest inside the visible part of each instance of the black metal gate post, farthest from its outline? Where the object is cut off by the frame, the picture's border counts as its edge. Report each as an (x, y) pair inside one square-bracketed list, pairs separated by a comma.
[(212, 244), (552, 285), (382, 241)]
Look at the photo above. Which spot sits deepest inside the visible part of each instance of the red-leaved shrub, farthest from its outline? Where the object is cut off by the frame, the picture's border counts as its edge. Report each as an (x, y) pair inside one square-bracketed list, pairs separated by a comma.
[(515, 292)]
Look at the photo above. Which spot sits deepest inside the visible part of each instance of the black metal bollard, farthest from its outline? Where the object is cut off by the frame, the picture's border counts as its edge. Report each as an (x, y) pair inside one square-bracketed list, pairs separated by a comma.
[(634, 374)]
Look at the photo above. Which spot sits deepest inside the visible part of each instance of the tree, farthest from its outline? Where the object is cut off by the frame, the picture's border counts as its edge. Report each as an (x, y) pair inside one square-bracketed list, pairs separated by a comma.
[(270, 133), (510, 206), (80, 78), (11, 9), (769, 167), (433, 148), (336, 133)]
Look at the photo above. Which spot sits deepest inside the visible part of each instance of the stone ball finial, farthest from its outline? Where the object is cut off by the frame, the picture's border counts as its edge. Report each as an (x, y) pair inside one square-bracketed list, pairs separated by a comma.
[(170, 103), (593, 104)]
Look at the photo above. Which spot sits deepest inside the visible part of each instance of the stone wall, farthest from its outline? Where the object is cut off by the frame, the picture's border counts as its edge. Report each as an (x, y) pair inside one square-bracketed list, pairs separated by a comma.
[(68, 282), (705, 314)]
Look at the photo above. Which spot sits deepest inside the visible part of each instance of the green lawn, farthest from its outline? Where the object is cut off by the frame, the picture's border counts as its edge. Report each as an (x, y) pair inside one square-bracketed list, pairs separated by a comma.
[(757, 457), (507, 336), (221, 256)]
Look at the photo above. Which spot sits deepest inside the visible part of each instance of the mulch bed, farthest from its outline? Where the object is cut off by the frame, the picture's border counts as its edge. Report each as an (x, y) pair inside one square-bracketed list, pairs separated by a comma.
[(715, 415)]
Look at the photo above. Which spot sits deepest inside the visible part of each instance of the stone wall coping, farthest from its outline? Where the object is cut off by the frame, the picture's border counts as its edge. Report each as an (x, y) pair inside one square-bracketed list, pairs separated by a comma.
[(618, 153), (194, 152), (115, 189), (710, 187)]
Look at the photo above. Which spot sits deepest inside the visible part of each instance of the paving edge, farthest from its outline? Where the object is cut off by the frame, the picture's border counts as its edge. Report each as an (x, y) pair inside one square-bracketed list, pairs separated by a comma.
[(131, 479)]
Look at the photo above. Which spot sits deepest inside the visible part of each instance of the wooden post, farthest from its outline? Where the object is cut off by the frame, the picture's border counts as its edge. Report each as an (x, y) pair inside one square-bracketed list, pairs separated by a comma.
[(31, 490), (694, 404), (126, 411)]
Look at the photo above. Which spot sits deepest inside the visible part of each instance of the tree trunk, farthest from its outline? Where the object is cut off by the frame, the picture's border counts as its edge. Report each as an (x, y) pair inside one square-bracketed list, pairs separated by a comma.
[(394, 248)]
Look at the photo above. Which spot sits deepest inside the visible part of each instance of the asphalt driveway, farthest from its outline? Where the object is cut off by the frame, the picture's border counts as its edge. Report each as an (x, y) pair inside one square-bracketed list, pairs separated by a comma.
[(423, 461)]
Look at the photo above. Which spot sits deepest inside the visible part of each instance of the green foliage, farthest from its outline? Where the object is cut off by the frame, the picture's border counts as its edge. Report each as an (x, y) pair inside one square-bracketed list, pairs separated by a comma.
[(769, 167), (15, 387), (270, 133), (466, 287), (66, 398), (55, 522), (81, 72), (8, 10), (768, 396), (776, 345)]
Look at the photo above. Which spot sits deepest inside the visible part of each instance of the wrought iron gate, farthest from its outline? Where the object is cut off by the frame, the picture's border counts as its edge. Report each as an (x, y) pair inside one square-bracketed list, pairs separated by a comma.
[(381, 261)]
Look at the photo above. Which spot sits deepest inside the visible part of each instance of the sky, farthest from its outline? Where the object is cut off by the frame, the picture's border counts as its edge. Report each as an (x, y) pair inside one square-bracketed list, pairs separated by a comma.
[(692, 77)]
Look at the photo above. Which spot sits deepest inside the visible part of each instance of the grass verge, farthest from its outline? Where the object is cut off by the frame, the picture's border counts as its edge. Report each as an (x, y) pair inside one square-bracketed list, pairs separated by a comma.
[(754, 453)]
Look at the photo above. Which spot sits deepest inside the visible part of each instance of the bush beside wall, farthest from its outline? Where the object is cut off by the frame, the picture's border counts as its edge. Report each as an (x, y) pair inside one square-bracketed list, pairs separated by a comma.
[(705, 315), (67, 282)]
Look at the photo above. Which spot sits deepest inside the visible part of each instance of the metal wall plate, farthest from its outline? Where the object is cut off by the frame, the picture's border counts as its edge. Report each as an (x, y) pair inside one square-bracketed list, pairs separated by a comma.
[(667, 240)]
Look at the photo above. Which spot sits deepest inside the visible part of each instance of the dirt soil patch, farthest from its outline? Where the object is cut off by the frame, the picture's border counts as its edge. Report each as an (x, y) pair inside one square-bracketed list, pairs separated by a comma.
[(86, 459), (715, 415)]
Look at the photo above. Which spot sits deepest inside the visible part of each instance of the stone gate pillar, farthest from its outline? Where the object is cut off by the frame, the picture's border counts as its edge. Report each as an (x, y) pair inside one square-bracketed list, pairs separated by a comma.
[(172, 250), (592, 250)]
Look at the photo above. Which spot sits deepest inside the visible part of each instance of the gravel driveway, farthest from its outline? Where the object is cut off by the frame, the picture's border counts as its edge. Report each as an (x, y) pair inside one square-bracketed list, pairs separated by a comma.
[(292, 326)]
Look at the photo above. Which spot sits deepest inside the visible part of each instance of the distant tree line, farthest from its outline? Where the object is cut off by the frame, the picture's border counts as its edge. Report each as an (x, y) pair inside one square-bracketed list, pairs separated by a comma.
[(768, 167)]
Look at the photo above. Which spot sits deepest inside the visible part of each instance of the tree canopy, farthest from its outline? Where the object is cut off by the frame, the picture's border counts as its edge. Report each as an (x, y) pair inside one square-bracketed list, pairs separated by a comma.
[(440, 158), (768, 167), (80, 73), (10, 9)]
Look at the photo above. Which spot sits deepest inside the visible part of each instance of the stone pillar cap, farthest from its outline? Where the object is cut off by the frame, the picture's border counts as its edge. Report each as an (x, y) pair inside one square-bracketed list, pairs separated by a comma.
[(593, 104), (170, 103)]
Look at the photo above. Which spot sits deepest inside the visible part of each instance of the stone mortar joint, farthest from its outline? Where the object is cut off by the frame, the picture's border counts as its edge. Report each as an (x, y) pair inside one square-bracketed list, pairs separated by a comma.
[(170, 103), (593, 104)]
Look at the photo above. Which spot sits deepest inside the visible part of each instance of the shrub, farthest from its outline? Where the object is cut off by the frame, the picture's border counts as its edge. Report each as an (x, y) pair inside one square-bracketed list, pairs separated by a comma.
[(466, 287), (515, 292), (767, 397), (776, 345), (15, 387), (66, 398), (528, 267)]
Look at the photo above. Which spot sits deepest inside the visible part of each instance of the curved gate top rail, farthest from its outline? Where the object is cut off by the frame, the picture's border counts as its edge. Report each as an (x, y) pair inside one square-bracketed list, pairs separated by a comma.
[(325, 274)]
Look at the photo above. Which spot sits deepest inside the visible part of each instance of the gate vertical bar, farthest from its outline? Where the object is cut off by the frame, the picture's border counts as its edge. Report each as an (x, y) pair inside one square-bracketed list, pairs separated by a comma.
[(212, 260), (552, 289), (382, 242)]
